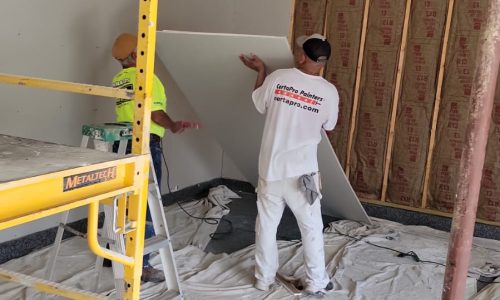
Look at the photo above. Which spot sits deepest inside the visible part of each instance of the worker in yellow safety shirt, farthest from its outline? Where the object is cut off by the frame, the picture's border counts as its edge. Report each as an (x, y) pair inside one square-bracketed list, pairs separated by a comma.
[(125, 52)]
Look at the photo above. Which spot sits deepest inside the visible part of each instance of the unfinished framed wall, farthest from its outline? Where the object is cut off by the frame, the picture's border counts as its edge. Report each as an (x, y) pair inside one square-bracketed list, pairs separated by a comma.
[(404, 70), (414, 113), (344, 24)]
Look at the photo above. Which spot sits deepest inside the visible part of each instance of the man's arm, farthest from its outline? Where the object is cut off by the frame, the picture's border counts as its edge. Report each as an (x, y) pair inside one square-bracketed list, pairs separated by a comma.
[(161, 118), (255, 63)]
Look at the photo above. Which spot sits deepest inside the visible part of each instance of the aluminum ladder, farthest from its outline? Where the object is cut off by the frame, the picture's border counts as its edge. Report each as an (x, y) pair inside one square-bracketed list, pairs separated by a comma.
[(103, 137)]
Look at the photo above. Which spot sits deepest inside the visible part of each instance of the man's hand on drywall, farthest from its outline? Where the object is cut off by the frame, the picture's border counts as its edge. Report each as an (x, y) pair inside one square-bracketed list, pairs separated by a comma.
[(180, 126), (253, 62)]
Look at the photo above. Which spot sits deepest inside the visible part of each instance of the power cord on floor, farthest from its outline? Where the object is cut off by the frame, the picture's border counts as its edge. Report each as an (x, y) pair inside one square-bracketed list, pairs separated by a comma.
[(166, 167), (210, 221), (411, 254)]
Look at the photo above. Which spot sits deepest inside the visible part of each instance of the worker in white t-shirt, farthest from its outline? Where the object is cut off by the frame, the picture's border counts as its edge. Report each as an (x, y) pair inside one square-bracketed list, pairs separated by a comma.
[(298, 104)]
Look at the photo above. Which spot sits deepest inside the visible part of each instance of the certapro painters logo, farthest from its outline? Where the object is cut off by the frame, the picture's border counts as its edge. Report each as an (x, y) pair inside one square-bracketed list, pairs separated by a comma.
[(88, 178)]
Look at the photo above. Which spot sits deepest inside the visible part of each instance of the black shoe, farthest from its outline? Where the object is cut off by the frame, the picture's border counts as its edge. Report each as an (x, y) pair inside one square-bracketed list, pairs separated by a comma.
[(107, 263), (321, 293), (150, 274)]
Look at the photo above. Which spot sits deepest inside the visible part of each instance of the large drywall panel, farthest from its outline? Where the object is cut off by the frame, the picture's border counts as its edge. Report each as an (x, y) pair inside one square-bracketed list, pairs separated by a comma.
[(195, 156), (218, 87), (195, 78)]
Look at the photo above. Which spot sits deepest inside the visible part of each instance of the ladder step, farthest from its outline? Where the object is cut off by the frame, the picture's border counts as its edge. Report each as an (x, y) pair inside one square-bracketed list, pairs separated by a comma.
[(155, 243), (159, 243), (84, 235)]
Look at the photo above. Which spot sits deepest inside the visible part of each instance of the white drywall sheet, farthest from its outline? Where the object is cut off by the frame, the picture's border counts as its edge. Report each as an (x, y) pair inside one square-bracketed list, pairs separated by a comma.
[(207, 69)]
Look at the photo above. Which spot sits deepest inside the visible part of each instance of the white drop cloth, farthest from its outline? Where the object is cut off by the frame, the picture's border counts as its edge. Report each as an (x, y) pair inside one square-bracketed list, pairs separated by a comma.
[(491, 292), (186, 230), (360, 271)]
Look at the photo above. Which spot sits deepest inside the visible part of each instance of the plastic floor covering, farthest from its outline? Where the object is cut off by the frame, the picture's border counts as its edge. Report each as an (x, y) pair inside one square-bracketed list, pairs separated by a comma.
[(359, 260)]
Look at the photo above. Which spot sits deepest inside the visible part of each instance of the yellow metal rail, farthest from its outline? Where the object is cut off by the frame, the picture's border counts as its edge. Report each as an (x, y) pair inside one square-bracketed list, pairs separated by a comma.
[(94, 242), (134, 246), (66, 86), (49, 287)]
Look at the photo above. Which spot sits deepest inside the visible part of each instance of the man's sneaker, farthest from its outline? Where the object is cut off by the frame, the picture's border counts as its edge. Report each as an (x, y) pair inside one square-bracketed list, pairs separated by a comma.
[(150, 274), (262, 286), (106, 262), (322, 292), (329, 286)]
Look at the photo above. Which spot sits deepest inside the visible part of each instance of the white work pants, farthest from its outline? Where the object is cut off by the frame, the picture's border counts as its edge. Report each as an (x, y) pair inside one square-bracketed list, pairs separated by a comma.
[(272, 196)]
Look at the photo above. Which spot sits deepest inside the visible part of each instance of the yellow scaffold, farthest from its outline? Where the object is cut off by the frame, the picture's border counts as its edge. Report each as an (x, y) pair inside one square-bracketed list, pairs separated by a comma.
[(45, 191)]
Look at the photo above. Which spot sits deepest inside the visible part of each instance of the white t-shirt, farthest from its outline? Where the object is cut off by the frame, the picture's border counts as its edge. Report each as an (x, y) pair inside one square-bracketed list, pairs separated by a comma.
[(298, 106)]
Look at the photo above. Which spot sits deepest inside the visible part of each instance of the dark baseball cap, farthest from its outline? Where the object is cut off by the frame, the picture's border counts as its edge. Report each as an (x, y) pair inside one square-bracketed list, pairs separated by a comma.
[(315, 46)]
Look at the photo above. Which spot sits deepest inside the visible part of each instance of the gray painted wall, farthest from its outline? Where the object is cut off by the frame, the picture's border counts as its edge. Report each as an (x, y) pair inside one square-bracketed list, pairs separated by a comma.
[(62, 40), (71, 41)]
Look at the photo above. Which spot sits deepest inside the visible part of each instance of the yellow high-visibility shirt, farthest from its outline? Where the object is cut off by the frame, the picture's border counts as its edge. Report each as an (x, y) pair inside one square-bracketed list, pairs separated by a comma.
[(125, 107)]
